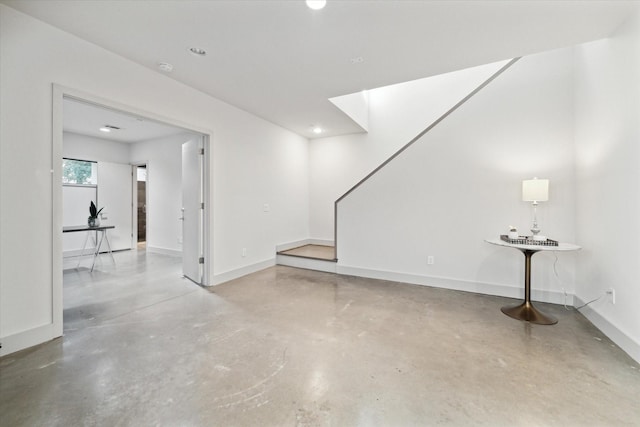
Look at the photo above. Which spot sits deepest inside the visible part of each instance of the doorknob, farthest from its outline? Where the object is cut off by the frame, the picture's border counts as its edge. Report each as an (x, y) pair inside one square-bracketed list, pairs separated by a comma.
[(182, 217)]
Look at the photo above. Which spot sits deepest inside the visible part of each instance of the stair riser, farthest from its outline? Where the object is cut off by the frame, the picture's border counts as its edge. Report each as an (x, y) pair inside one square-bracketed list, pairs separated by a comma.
[(307, 263)]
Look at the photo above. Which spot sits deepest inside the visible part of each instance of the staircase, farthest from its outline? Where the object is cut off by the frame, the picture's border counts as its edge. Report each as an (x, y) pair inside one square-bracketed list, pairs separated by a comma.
[(322, 257), (309, 256)]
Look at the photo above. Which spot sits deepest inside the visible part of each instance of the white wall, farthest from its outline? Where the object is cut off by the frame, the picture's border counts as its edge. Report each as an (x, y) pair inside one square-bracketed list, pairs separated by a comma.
[(75, 207), (163, 157), (264, 166), (397, 114), (83, 147), (254, 162), (461, 184), (607, 102)]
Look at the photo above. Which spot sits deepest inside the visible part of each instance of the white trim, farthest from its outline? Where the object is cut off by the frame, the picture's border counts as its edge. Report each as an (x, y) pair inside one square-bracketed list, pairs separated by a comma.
[(85, 97), (164, 251), (554, 297), (292, 245), (242, 271), (207, 215), (614, 333), (57, 308), (306, 263), (28, 338)]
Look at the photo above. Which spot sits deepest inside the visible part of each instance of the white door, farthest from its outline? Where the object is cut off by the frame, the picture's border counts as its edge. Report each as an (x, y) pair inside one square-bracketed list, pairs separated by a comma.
[(114, 195), (192, 209)]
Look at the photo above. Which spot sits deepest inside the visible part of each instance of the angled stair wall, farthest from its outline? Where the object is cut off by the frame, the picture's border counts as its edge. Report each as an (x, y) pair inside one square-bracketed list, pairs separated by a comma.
[(459, 183)]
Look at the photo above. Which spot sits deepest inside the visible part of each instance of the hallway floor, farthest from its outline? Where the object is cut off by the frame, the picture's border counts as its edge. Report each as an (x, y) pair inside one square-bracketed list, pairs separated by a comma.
[(291, 347)]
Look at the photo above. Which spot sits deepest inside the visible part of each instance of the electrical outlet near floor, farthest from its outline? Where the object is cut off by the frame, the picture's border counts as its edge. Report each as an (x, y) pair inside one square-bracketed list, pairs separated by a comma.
[(244, 252), (612, 294), (430, 260)]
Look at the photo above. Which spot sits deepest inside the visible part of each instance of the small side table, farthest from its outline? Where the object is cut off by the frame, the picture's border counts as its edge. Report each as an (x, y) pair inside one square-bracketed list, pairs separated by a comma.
[(526, 311), (103, 229)]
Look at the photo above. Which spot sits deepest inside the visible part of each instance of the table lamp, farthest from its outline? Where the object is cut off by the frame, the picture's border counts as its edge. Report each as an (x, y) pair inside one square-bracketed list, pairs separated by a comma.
[(535, 190)]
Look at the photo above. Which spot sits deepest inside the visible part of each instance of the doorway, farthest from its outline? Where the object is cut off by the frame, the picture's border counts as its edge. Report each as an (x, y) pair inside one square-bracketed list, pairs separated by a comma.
[(153, 147), (140, 206)]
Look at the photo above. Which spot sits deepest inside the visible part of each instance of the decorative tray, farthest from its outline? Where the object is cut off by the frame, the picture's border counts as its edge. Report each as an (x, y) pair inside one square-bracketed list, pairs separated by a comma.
[(527, 240)]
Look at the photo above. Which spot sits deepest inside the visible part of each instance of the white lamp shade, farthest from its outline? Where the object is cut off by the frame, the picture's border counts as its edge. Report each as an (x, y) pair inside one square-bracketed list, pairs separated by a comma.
[(316, 4), (535, 190)]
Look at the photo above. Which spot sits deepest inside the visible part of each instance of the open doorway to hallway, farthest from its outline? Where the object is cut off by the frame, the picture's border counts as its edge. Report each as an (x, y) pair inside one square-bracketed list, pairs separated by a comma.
[(139, 187)]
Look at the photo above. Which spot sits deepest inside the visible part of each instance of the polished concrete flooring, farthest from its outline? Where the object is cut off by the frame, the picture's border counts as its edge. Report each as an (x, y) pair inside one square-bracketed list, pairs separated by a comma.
[(313, 251), (291, 347)]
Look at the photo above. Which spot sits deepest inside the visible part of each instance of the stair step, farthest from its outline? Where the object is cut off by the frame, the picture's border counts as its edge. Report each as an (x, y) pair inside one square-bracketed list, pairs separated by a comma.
[(311, 257), (325, 253)]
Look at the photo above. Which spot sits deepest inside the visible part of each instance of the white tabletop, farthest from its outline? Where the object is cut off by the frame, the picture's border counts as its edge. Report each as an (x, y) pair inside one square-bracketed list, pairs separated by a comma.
[(561, 246)]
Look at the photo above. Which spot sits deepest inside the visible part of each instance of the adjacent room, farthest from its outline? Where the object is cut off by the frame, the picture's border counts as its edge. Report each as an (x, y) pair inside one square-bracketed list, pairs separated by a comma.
[(319, 213), (108, 159)]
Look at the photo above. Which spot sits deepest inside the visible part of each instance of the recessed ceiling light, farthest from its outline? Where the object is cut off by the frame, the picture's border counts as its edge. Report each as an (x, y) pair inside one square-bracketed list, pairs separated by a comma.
[(197, 51), (317, 130), (166, 67), (108, 128), (316, 4)]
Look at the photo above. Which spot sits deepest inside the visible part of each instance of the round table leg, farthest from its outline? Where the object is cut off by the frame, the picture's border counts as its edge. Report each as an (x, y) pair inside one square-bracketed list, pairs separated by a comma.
[(526, 311)]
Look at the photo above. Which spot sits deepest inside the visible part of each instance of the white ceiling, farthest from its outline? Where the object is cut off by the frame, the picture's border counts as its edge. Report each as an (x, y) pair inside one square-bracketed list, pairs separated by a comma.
[(282, 61), (87, 119)]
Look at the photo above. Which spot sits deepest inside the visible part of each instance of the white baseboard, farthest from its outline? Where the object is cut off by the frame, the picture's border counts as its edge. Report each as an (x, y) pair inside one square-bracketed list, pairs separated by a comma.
[(615, 334), (242, 271), (26, 339), (554, 297), (164, 251), (306, 263), (291, 245)]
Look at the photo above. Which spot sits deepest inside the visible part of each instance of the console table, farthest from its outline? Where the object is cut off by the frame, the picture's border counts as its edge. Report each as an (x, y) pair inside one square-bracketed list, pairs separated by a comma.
[(102, 228), (526, 311)]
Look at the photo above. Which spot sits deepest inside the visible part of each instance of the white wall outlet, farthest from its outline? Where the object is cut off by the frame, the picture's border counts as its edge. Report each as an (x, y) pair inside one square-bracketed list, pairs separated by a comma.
[(430, 260), (612, 293), (266, 207), (244, 252)]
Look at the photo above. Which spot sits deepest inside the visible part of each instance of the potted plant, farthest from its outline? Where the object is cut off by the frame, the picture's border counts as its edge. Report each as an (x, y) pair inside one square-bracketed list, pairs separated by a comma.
[(93, 219)]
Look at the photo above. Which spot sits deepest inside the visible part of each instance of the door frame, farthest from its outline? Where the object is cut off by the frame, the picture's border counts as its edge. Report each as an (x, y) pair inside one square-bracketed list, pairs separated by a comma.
[(59, 92), (134, 200)]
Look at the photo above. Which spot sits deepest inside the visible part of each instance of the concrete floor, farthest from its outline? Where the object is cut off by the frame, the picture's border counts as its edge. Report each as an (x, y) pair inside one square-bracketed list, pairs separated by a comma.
[(291, 347)]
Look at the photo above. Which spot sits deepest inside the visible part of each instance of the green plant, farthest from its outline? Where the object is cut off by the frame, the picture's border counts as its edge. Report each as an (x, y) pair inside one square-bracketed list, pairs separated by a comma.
[(93, 210)]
